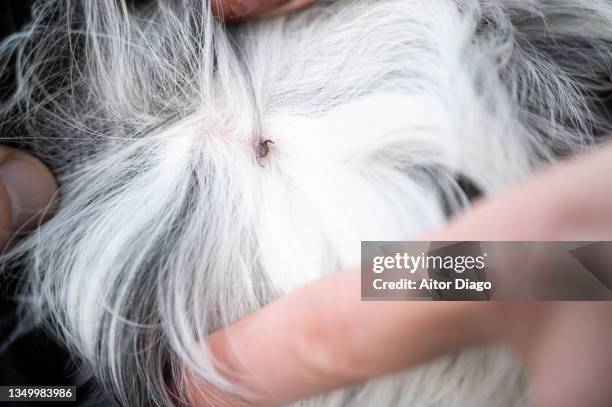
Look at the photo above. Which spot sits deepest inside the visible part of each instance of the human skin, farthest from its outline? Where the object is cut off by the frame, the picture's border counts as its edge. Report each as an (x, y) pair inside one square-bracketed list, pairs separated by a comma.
[(324, 346), (28, 193), (238, 10)]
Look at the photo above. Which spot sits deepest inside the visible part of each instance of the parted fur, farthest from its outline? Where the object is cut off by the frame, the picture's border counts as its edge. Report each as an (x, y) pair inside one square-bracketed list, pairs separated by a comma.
[(172, 222)]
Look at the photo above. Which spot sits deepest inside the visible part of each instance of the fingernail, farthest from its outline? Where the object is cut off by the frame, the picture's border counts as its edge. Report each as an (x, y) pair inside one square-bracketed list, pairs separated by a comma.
[(238, 10), (31, 189), (242, 8), (234, 10)]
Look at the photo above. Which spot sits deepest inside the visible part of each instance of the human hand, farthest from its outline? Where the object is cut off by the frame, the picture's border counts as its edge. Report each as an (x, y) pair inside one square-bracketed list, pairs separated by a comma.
[(323, 337), (237, 10), (27, 193)]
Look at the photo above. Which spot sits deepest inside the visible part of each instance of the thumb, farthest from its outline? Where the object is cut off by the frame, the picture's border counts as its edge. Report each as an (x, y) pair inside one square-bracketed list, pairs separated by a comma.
[(27, 194)]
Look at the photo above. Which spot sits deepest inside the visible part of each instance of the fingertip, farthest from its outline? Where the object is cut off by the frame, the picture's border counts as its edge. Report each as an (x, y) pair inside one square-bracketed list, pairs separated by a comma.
[(28, 192), (239, 10)]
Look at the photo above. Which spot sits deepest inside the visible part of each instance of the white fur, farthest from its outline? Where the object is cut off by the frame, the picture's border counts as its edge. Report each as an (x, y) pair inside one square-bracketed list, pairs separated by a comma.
[(169, 226)]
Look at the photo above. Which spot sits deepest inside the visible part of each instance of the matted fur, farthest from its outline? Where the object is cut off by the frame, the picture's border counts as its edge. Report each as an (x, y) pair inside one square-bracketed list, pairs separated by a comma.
[(170, 227)]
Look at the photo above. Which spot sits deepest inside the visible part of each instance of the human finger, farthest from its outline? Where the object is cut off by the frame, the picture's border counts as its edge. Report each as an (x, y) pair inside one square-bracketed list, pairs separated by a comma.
[(238, 10), (331, 339), (27, 193)]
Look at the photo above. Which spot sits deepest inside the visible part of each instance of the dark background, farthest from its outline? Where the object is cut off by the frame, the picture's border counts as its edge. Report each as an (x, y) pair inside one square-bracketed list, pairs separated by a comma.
[(33, 359)]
